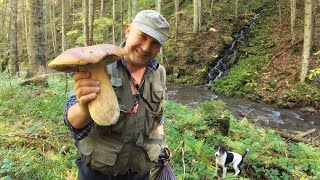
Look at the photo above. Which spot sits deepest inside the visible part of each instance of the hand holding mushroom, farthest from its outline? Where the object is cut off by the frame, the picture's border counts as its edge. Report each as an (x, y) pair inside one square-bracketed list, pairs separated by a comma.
[(91, 61), (85, 89)]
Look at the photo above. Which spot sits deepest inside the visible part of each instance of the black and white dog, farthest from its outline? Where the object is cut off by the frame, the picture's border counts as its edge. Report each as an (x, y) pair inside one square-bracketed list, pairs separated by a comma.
[(223, 158)]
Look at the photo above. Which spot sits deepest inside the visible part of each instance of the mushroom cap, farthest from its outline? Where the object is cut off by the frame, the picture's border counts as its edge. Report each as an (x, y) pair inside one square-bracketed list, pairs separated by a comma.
[(71, 59)]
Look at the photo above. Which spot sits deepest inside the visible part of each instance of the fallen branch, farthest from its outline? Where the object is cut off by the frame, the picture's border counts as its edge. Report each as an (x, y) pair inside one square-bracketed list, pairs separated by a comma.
[(306, 133), (28, 137), (280, 53), (292, 137), (38, 80)]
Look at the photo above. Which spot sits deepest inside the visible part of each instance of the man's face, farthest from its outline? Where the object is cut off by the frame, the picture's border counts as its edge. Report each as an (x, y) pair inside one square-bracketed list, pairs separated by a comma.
[(141, 47)]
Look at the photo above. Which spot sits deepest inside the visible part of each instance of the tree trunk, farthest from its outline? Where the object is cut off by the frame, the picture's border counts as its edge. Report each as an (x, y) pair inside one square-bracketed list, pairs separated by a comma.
[(236, 11), (72, 7), (36, 54), (121, 29), (158, 9), (45, 9), (70, 4), (211, 6), (53, 31), (199, 14), (4, 14), (176, 7), (315, 12), (25, 23), (280, 14), (101, 8), (4, 38), (134, 8), (40, 42), (293, 22), (195, 17), (85, 22), (91, 21), (4, 19), (62, 26), (31, 37), (130, 11), (13, 40), (307, 39), (113, 21), (158, 5)]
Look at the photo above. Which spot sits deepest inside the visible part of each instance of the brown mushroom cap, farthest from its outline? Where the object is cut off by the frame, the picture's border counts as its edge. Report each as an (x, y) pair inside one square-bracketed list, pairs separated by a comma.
[(71, 59), (104, 109)]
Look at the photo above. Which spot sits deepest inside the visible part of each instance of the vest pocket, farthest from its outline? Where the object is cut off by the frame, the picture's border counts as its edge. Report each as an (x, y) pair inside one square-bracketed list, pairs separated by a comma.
[(100, 151), (153, 151), (151, 144), (85, 147), (106, 150), (157, 94), (152, 120)]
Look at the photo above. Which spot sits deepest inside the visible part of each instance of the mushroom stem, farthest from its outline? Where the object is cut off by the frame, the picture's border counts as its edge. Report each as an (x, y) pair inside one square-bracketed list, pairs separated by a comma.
[(104, 110)]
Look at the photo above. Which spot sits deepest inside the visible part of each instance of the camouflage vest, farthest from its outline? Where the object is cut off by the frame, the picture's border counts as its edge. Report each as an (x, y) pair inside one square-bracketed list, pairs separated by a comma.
[(134, 141)]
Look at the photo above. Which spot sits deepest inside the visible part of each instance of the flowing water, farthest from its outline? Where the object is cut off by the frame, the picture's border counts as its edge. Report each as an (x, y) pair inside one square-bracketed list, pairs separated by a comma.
[(229, 55), (268, 116)]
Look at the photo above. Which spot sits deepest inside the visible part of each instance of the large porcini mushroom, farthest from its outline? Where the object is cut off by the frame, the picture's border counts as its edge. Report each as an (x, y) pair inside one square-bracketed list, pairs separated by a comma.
[(104, 110)]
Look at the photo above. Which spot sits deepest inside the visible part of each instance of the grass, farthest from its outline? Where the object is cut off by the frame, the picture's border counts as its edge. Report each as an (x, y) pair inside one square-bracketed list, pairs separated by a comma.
[(35, 143), (195, 133)]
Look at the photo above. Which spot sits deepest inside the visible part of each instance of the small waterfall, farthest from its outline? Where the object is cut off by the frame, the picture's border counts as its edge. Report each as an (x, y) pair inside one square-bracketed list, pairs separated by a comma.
[(229, 55)]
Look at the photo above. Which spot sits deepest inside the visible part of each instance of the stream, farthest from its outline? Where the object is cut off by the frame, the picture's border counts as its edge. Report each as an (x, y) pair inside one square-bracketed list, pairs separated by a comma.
[(265, 115)]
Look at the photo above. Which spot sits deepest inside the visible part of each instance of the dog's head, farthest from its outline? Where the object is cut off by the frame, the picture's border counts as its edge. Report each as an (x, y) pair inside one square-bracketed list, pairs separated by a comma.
[(221, 150)]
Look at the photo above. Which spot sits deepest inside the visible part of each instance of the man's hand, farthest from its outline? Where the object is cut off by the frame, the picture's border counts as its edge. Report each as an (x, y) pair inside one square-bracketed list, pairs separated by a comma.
[(85, 90)]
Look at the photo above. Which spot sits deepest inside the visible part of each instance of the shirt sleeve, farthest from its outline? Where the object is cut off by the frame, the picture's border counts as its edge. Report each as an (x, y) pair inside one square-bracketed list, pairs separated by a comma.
[(77, 134)]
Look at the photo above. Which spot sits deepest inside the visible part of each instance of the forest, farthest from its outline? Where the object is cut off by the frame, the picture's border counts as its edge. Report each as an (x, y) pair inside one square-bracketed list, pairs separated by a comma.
[(272, 49)]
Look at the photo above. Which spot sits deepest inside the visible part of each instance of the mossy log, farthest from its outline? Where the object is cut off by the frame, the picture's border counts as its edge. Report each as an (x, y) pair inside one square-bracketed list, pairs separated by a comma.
[(40, 80), (292, 137)]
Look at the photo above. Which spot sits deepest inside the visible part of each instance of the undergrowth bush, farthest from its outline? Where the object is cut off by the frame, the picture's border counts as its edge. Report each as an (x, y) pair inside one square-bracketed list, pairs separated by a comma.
[(303, 94)]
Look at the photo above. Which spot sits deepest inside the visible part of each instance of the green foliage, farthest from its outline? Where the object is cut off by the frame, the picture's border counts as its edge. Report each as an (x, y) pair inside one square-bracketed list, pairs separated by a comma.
[(39, 146), (183, 131), (240, 80), (102, 31), (269, 157), (314, 74), (212, 108), (35, 144), (146, 4), (303, 93), (25, 163), (75, 35)]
